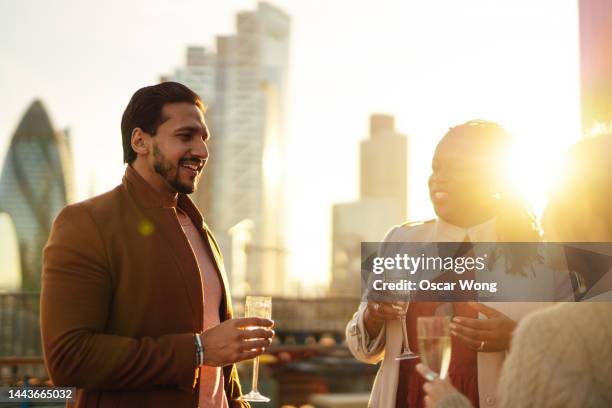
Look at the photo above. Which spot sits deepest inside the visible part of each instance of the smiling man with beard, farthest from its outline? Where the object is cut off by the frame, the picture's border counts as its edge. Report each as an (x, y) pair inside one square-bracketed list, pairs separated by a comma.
[(135, 309)]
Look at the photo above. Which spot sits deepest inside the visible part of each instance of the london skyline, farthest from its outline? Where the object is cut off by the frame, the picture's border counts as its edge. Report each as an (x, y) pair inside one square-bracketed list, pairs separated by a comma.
[(85, 59)]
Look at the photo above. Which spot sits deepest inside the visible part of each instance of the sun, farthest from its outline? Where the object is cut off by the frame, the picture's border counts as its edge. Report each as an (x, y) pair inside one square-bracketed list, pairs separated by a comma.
[(531, 170)]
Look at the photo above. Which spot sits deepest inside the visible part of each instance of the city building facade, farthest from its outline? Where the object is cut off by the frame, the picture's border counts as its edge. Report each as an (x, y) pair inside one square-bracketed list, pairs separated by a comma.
[(383, 170), (35, 184), (10, 261), (245, 86), (596, 63)]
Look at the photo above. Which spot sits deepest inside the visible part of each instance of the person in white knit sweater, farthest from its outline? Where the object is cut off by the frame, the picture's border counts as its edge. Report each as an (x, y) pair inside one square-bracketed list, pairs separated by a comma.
[(560, 356)]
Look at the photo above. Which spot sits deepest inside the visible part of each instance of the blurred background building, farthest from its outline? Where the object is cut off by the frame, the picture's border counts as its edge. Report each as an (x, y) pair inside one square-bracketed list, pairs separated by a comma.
[(10, 276), (382, 203), (383, 163), (596, 63), (245, 86), (35, 183)]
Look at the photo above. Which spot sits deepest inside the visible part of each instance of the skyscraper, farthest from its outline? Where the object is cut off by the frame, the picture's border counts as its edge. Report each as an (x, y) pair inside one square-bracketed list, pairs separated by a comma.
[(34, 186), (596, 62), (199, 73), (10, 262), (244, 178), (383, 169), (383, 162)]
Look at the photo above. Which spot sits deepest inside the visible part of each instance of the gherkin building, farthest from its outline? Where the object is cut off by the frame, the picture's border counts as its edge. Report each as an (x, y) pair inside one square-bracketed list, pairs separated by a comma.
[(35, 183)]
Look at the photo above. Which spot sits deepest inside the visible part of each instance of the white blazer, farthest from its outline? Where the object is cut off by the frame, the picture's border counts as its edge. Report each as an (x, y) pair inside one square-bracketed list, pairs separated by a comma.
[(387, 345)]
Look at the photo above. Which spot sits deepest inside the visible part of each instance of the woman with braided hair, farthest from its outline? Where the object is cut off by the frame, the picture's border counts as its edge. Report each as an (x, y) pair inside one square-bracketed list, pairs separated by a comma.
[(474, 202), (560, 356)]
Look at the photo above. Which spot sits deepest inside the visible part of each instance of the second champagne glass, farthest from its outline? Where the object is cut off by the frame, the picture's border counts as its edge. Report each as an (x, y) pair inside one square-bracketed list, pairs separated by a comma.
[(435, 343), (257, 306)]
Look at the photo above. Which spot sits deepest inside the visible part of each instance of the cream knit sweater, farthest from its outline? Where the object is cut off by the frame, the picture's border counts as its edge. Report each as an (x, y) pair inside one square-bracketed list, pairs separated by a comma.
[(560, 357)]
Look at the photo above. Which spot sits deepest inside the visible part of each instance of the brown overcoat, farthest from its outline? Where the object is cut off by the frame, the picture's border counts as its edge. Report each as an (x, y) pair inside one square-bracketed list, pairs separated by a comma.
[(122, 298)]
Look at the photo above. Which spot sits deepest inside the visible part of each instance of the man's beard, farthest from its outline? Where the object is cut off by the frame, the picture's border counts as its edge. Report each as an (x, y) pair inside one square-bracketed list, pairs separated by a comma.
[(163, 167)]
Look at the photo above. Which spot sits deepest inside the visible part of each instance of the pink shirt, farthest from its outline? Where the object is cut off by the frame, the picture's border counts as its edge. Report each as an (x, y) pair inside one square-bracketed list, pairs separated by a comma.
[(212, 393)]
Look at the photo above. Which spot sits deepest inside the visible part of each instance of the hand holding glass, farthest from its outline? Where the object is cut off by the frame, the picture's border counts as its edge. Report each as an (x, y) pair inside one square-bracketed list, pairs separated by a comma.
[(257, 306), (406, 354), (435, 343)]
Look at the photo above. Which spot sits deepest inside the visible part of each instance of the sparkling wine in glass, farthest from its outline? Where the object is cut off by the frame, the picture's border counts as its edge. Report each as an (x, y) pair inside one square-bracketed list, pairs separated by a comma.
[(406, 353), (257, 306), (435, 343)]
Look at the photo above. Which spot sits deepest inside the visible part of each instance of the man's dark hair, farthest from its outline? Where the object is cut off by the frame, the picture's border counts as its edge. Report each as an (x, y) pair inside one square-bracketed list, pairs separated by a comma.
[(144, 111)]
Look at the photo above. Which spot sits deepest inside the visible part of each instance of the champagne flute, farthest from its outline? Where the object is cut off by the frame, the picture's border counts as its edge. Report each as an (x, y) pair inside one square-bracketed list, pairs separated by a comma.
[(406, 353), (435, 343), (257, 306), (400, 302)]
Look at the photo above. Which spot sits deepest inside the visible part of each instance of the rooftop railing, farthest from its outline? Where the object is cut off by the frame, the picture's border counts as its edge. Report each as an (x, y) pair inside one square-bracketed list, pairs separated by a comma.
[(301, 324)]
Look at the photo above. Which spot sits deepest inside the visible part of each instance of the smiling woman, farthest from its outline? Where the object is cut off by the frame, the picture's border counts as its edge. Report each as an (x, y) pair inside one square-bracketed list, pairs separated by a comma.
[(470, 181)]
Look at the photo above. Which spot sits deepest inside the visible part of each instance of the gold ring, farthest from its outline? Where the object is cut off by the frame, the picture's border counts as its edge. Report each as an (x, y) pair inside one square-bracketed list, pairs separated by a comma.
[(376, 306)]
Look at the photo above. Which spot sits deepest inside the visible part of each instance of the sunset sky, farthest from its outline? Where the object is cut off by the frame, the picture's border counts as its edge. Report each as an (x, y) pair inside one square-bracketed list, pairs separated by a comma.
[(431, 63)]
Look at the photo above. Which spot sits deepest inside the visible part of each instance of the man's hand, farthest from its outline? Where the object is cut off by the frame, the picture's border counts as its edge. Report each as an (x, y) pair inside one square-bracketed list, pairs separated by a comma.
[(491, 334), (236, 340)]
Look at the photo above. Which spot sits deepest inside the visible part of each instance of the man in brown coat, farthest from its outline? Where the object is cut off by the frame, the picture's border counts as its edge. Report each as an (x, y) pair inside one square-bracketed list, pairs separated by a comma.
[(135, 309)]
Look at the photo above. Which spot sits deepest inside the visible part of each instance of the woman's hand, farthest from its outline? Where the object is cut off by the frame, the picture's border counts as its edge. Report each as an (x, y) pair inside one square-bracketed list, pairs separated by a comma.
[(385, 310), (378, 312), (491, 334), (435, 389)]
